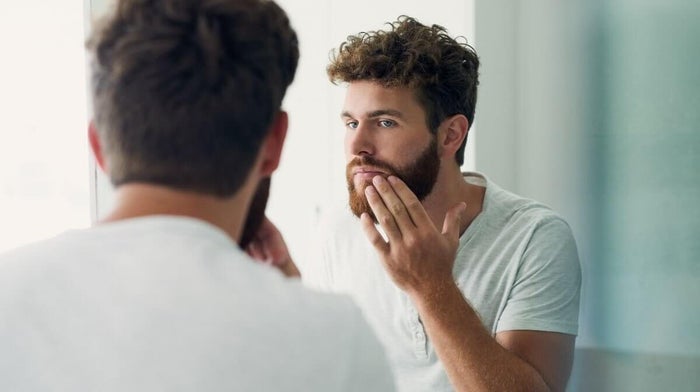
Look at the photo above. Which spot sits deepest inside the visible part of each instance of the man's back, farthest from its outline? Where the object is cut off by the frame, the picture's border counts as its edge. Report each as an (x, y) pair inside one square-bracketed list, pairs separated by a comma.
[(169, 303)]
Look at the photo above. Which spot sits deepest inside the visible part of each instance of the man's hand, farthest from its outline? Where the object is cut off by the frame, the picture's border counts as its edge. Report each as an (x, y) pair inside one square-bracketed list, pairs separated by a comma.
[(269, 247), (419, 259), (417, 256)]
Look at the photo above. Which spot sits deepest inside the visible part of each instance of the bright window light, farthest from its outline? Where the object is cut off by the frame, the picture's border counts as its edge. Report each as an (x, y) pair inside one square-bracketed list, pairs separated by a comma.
[(44, 169)]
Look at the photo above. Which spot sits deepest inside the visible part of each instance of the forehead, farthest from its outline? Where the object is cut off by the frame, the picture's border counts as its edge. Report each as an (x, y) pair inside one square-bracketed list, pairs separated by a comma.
[(365, 97)]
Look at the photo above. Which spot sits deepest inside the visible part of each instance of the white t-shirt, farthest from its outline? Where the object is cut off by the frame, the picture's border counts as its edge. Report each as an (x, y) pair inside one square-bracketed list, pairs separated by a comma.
[(171, 304), (517, 265)]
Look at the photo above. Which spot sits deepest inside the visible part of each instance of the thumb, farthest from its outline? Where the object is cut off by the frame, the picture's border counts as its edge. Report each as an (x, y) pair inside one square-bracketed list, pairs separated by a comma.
[(450, 227)]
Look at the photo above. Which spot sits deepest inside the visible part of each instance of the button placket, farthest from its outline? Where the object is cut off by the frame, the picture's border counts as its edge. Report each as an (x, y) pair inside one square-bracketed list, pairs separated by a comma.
[(419, 337)]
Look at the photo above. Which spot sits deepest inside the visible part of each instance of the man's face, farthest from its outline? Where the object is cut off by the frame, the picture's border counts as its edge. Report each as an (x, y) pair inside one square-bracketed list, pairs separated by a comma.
[(386, 134)]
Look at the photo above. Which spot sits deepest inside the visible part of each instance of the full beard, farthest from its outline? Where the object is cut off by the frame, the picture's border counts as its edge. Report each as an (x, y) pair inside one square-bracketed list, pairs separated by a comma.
[(420, 177)]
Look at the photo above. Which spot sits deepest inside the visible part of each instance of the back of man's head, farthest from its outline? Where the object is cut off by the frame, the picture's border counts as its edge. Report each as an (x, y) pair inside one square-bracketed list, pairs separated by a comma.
[(185, 90)]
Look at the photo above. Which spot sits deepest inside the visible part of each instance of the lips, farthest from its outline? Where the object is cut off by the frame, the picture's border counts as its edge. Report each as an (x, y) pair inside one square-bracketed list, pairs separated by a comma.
[(366, 173), (365, 169)]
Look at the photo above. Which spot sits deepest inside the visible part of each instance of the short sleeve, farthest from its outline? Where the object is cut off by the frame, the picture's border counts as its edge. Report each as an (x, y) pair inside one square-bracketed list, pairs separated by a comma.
[(546, 292)]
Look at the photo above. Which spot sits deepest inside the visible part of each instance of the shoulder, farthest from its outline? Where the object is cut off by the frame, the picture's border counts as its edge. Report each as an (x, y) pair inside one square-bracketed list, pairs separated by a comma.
[(364, 353), (37, 256), (531, 225), (508, 208), (313, 312), (327, 324)]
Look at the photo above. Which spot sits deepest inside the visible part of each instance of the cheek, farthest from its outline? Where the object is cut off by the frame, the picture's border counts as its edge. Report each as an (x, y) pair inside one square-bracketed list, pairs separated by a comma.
[(347, 146), (401, 154)]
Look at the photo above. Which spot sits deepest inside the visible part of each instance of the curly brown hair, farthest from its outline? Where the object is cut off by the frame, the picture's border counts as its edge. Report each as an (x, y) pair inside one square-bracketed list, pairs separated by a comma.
[(443, 71), (185, 91)]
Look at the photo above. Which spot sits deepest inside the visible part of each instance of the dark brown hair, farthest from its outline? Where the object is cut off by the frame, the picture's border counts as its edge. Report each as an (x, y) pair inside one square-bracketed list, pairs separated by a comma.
[(185, 90), (441, 70)]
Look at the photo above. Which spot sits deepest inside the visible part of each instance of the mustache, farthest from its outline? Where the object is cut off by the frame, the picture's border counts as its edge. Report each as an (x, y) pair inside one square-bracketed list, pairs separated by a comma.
[(367, 160)]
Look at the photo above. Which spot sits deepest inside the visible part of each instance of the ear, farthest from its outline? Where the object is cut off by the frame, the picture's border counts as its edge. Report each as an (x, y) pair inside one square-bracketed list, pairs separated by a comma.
[(271, 150), (96, 146), (452, 133)]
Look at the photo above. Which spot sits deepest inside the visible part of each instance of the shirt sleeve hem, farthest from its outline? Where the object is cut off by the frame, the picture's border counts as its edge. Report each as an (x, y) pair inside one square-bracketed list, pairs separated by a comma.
[(538, 325)]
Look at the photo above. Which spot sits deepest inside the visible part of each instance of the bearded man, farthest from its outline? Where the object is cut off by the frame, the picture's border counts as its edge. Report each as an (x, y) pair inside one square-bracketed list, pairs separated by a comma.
[(469, 286)]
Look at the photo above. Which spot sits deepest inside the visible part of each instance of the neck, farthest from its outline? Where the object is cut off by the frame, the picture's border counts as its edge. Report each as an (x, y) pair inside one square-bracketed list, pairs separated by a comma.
[(449, 190), (140, 200)]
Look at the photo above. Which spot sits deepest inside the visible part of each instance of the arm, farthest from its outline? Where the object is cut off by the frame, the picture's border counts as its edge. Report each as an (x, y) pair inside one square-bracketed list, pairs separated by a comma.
[(473, 359)]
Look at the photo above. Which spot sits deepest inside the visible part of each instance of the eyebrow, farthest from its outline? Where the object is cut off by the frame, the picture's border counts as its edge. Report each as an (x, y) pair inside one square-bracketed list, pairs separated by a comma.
[(376, 113)]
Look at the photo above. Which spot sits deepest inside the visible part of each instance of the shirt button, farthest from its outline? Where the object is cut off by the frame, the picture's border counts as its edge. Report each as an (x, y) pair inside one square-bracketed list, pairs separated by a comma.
[(419, 335)]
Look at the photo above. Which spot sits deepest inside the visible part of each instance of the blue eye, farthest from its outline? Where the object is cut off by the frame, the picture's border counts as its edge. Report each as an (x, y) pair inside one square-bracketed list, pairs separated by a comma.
[(386, 123), (351, 124)]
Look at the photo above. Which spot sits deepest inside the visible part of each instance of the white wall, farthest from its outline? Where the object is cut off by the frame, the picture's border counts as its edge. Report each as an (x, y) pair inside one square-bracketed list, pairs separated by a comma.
[(43, 149)]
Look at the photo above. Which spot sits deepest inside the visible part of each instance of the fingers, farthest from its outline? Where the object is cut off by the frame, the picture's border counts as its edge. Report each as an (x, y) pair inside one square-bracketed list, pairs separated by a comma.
[(399, 211), (394, 204), (256, 251), (451, 225), (413, 206), (290, 269), (384, 216), (372, 233), (267, 228)]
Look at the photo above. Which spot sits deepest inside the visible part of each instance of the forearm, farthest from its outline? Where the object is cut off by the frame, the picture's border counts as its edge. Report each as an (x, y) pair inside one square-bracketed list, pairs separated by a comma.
[(472, 358)]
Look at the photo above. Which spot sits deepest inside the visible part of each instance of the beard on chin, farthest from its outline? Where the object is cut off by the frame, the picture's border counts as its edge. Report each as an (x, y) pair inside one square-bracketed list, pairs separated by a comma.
[(419, 175)]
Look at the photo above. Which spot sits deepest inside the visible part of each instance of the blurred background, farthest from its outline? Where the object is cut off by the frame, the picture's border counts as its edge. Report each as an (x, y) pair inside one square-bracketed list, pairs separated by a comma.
[(591, 107), (44, 169)]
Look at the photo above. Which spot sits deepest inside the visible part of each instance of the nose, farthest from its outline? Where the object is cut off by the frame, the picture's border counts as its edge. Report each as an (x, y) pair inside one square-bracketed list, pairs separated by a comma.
[(359, 141)]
